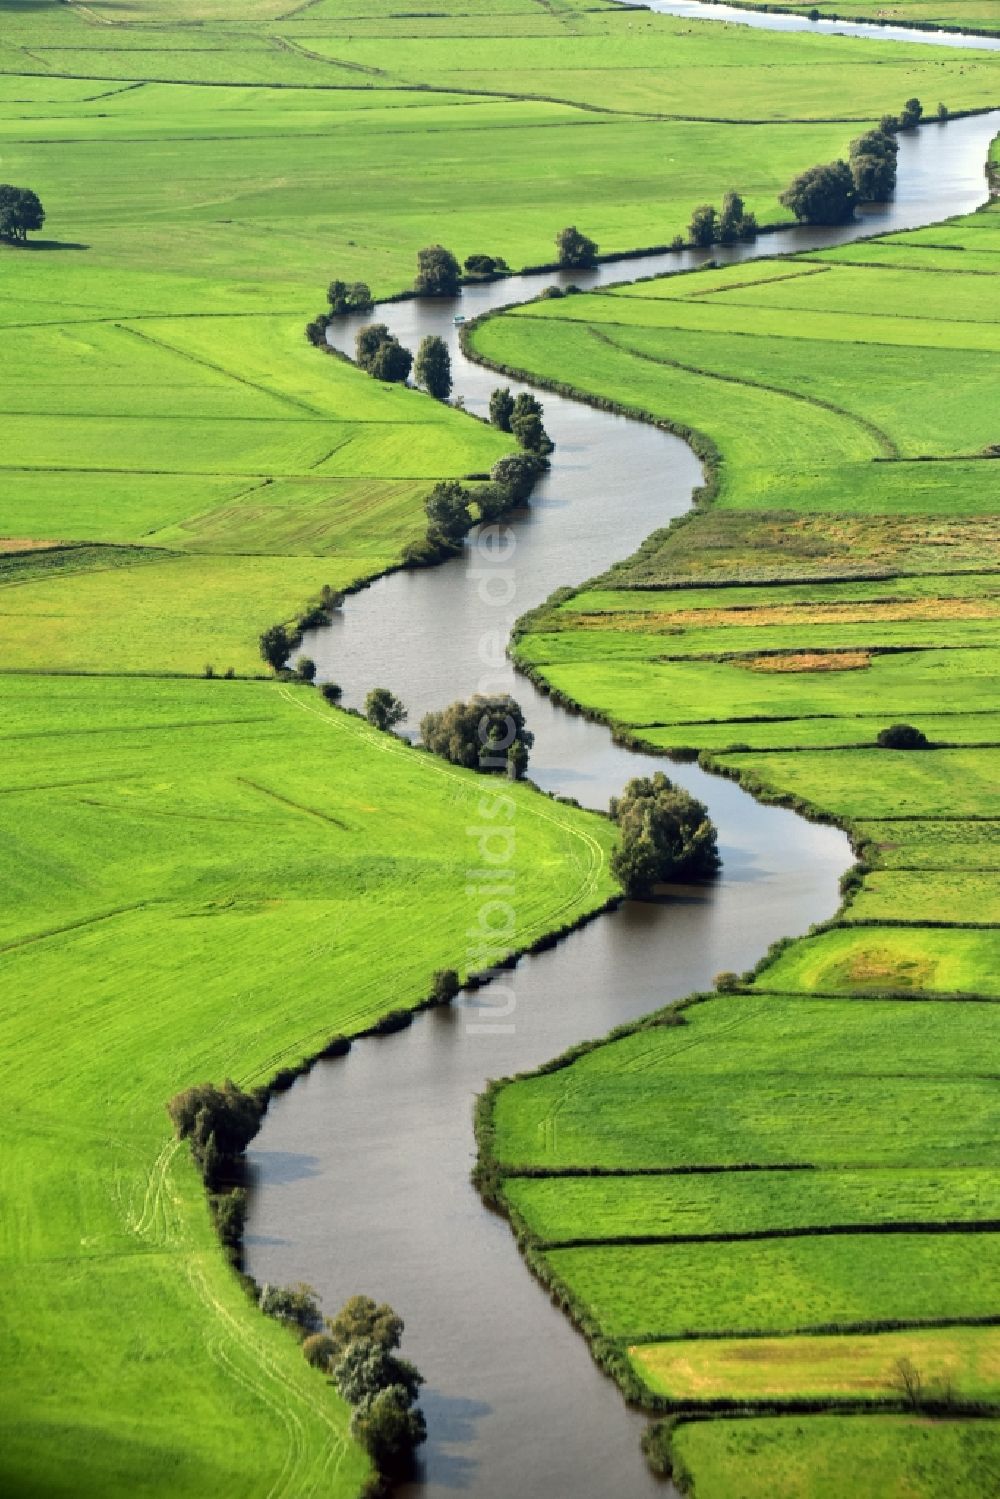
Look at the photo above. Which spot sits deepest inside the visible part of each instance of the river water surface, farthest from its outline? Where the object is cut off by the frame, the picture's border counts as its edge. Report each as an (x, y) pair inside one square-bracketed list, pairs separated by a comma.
[(360, 1174)]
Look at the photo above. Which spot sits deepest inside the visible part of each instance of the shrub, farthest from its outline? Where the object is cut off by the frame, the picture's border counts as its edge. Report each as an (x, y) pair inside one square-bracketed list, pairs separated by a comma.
[(727, 982), (318, 1349), (574, 248), (438, 273), (665, 834), (444, 986), (678, 242), (487, 733), (734, 223), (305, 669), (942, 112), (822, 194), (275, 647), (383, 709), (548, 292), (316, 331), (332, 692), (208, 670), (902, 736), (230, 1212), (493, 500), (230, 673), (484, 265), (353, 297), (297, 1305)]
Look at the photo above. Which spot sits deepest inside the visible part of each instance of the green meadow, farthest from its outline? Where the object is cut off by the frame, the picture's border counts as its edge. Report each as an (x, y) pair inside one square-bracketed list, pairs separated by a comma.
[(841, 577), (201, 876), (203, 879), (956, 15), (858, 1457)]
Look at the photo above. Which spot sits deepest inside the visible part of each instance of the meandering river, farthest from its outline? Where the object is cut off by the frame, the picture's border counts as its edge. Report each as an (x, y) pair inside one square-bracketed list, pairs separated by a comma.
[(361, 1173)]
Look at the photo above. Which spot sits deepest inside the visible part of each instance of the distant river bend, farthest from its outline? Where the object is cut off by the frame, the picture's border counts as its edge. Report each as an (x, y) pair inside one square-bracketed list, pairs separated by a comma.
[(361, 1171)]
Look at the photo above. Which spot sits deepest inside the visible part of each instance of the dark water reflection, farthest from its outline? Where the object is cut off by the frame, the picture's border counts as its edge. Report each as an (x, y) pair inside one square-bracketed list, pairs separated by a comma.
[(361, 1171)]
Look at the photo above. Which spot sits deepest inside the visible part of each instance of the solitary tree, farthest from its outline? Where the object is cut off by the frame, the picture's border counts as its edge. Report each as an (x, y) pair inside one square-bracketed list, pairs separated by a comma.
[(275, 647), (702, 226), (448, 514), (574, 248), (665, 834), (433, 367), (21, 212), (347, 297), (822, 194), (438, 272), (501, 408), (487, 733), (383, 709)]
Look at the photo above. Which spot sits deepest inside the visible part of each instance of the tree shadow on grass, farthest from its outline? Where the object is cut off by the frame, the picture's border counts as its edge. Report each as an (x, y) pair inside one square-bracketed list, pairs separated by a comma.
[(45, 244)]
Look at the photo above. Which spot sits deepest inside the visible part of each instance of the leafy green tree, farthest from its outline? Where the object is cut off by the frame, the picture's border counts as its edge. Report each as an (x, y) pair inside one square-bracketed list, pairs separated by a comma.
[(305, 669), (367, 341), (822, 194), (526, 424), (297, 1305), (361, 1317), (433, 367), (218, 1122), (730, 220), (910, 115), (391, 362), (389, 1429), (666, 834), (444, 986), (21, 212), (448, 513), (367, 1366), (702, 229), (483, 265), (493, 500), (345, 297), (873, 165), (438, 273), (501, 408), (275, 647), (518, 472), (383, 709), (318, 1349), (574, 248), (889, 124), (942, 112), (487, 733)]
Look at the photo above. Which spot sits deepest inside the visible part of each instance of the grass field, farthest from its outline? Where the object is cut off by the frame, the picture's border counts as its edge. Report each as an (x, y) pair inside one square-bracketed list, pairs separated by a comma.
[(203, 879), (960, 15), (869, 1457), (201, 876), (852, 585)]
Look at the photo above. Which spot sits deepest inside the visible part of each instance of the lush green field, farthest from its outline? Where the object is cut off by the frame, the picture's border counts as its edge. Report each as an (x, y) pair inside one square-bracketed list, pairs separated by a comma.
[(202, 879), (852, 585), (861, 1457)]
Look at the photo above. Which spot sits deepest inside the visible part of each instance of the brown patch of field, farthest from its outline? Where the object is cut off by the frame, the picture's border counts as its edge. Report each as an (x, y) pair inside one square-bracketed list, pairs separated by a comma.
[(26, 544), (822, 1365), (876, 967), (894, 611), (809, 661)]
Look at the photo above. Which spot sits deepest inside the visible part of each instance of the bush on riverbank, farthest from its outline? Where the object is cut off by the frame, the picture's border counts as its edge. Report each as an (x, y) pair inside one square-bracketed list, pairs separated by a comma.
[(487, 733), (666, 834)]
